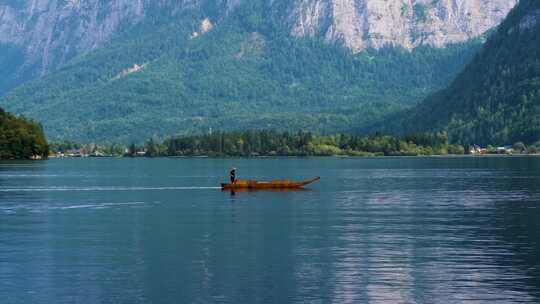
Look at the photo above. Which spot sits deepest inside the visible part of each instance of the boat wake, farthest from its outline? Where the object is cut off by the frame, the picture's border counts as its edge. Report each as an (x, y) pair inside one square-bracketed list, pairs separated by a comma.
[(96, 206), (61, 207)]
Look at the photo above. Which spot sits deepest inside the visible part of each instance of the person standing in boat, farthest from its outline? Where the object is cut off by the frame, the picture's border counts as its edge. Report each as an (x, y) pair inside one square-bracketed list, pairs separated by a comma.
[(233, 175)]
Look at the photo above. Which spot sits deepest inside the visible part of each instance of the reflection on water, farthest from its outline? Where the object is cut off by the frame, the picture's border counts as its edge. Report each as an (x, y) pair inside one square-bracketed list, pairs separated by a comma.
[(233, 192), (388, 230)]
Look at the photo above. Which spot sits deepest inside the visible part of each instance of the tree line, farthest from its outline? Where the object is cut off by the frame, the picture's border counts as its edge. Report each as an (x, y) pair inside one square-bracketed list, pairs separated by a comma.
[(272, 143), (275, 143), (21, 138)]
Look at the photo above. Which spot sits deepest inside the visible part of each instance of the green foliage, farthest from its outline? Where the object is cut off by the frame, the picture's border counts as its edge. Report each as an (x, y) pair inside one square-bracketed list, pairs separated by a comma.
[(153, 149), (420, 12), (132, 151), (519, 147), (63, 146), (404, 10), (260, 143), (271, 143), (534, 148), (21, 138), (247, 73), (11, 59), (496, 99)]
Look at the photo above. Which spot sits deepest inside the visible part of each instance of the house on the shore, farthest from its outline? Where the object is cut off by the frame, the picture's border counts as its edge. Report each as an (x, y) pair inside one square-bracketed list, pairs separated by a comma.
[(476, 149), (76, 153), (505, 150)]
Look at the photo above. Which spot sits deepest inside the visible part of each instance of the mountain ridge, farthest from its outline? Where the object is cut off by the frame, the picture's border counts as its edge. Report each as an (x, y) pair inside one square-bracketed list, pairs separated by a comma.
[(496, 99), (230, 65), (49, 33)]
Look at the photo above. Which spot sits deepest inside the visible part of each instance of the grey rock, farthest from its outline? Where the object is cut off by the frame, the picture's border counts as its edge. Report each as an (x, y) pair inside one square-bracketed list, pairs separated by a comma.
[(51, 32), (361, 24)]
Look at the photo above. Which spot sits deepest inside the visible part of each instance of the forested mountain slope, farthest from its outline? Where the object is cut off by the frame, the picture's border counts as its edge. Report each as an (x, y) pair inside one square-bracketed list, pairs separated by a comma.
[(496, 99), (229, 81), (42, 35), (159, 68)]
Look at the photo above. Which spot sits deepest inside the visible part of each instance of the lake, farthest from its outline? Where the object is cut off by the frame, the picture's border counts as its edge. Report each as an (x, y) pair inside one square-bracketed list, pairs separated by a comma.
[(373, 230)]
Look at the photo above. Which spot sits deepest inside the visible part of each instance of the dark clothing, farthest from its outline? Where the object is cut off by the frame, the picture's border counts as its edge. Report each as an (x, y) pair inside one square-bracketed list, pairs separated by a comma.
[(233, 176)]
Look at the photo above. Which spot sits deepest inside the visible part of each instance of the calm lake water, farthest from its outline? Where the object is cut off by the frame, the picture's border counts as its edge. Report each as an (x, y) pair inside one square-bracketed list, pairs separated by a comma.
[(384, 230)]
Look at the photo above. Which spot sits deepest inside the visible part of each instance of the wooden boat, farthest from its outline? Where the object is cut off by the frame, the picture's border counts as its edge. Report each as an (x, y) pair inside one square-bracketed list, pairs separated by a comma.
[(275, 184)]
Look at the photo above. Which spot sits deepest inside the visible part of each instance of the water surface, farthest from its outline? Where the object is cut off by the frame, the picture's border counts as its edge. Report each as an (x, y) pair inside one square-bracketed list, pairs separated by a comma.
[(381, 230)]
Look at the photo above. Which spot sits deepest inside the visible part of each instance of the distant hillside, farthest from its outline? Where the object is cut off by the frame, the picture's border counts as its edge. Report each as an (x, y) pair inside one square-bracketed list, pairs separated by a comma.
[(496, 99), (246, 71), (20, 138), (39, 36)]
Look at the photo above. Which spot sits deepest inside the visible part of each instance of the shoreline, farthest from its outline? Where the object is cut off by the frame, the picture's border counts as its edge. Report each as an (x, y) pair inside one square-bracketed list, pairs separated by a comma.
[(298, 156)]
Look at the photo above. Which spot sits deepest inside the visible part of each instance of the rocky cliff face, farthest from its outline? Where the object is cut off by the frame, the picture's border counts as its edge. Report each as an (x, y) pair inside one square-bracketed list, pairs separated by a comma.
[(52, 31), (361, 24)]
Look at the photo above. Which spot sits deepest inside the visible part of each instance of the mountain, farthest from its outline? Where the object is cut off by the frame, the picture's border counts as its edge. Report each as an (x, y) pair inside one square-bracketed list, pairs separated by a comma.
[(128, 69), (21, 138), (37, 36), (362, 24), (496, 99), (48, 33)]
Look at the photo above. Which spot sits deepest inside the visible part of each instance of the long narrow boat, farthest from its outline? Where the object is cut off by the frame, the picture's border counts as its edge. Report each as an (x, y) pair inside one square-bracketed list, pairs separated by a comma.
[(275, 184)]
